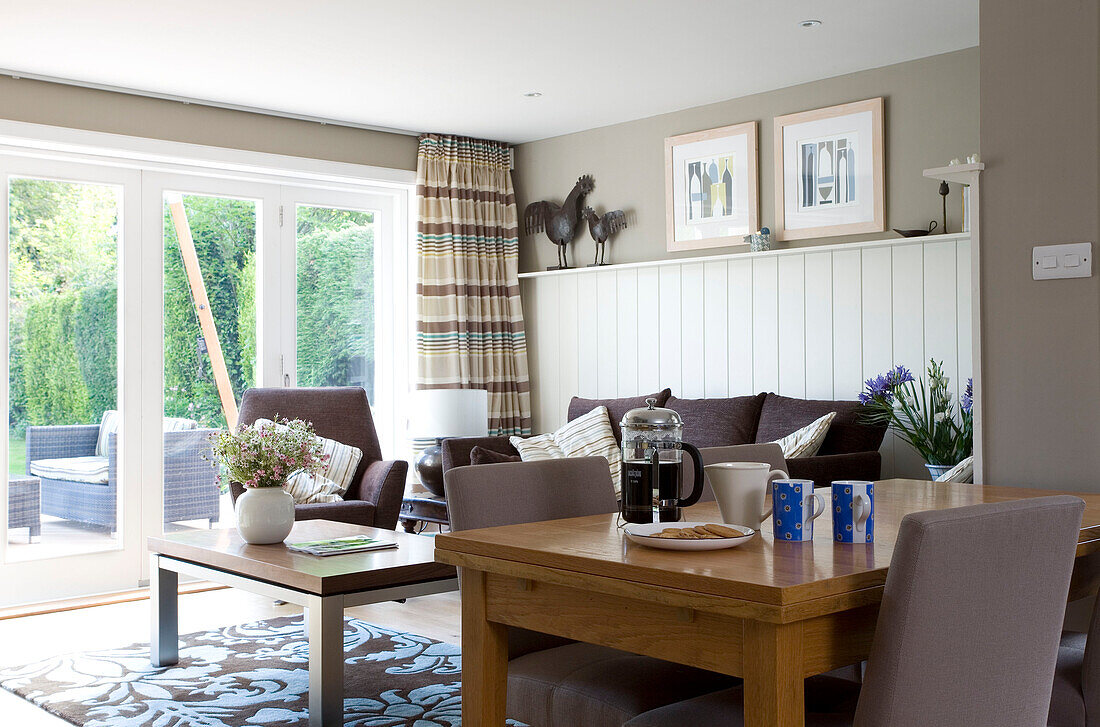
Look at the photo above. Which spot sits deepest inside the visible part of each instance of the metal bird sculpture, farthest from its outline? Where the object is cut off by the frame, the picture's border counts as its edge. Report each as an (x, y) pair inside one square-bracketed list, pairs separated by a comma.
[(559, 222), (601, 228)]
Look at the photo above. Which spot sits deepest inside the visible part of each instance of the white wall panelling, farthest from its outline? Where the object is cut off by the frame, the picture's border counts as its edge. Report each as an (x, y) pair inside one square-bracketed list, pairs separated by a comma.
[(807, 322)]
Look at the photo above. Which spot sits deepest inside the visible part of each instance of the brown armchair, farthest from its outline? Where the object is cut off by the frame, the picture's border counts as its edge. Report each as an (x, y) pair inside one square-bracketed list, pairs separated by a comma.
[(343, 414)]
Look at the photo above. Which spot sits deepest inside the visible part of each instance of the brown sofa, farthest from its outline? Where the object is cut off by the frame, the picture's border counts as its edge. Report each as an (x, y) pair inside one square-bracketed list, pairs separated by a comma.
[(849, 452)]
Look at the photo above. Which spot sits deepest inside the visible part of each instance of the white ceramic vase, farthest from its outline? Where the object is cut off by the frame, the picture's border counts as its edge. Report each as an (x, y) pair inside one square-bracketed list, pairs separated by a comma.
[(264, 515)]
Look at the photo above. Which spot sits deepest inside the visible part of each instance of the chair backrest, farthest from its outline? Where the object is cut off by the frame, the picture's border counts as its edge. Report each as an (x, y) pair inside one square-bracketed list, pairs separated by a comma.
[(971, 616), (771, 453), (341, 413), (523, 492)]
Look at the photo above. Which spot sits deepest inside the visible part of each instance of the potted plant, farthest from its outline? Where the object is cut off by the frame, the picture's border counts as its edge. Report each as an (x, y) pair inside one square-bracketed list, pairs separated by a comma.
[(923, 414), (262, 458)]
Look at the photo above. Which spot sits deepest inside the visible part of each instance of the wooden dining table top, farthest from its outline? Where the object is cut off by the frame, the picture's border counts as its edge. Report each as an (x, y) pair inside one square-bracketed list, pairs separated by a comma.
[(763, 571)]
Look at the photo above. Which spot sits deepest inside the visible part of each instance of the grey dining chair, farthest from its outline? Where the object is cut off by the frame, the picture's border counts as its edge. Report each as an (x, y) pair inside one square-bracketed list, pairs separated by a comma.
[(968, 629), (1075, 697), (554, 682), (771, 454)]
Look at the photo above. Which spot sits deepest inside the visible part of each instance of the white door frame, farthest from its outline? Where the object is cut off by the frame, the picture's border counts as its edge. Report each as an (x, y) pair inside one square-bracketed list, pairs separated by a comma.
[(116, 568)]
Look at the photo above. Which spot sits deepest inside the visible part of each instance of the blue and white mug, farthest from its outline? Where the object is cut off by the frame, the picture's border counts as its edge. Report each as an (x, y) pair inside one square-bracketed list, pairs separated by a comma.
[(794, 509), (853, 511)]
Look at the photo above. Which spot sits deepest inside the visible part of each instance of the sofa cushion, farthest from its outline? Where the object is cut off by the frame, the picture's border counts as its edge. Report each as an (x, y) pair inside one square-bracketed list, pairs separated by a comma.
[(481, 455), (616, 408), (91, 470), (718, 422), (586, 436), (781, 415), (806, 442), (108, 425)]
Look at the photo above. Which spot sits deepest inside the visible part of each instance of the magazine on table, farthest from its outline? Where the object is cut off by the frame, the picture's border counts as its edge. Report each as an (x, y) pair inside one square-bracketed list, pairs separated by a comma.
[(341, 546)]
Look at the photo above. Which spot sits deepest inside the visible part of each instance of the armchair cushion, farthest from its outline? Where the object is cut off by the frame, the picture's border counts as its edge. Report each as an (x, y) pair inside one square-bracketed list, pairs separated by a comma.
[(92, 470), (340, 465), (108, 425), (482, 455)]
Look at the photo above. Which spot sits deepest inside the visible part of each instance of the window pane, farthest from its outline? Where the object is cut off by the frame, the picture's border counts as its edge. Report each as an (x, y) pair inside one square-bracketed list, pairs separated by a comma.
[(62, 297), (335, 253), (223, 234)]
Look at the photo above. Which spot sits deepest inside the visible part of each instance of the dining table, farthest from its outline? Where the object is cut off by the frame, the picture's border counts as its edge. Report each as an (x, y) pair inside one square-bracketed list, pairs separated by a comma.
[(771, 612)]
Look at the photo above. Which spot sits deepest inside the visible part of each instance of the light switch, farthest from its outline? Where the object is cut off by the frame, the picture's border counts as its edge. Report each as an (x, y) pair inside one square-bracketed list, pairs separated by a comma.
[(1073, 260)]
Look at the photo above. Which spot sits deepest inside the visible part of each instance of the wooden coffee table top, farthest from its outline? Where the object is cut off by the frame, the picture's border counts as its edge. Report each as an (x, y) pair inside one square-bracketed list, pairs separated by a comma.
[(413, 561), (776, 575)]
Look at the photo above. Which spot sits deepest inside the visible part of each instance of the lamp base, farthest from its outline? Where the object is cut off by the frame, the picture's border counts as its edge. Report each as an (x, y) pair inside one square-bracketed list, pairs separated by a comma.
[(429, 468)]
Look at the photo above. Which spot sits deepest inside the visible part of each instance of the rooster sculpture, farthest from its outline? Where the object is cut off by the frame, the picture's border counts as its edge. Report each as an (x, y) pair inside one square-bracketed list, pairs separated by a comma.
[(603, 227), (559, 222)]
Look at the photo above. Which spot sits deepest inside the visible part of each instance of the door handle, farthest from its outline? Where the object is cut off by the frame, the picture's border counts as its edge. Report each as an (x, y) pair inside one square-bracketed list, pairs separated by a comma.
[(286, 380)]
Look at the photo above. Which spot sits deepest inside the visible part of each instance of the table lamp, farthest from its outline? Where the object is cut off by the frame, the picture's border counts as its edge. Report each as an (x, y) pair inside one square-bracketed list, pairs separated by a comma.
[(441, 413)]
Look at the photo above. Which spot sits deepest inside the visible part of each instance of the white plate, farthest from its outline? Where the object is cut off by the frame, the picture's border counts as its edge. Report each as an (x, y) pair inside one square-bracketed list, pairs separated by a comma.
[(642, 533)]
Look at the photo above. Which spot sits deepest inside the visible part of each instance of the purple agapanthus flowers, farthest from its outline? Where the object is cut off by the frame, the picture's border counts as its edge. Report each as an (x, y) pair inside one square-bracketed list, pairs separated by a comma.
[(882, 387), (967, 399)]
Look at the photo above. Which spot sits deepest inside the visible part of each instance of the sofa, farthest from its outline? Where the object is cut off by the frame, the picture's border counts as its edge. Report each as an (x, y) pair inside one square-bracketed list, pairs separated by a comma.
[(850, 450), (78, 467)]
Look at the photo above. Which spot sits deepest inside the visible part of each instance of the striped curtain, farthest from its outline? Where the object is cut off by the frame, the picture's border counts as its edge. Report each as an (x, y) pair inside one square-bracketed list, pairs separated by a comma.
[(469, 327)]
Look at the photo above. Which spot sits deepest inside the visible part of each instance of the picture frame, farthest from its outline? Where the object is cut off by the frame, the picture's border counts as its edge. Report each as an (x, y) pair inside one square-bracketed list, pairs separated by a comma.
[(701, 213), (830, 171)]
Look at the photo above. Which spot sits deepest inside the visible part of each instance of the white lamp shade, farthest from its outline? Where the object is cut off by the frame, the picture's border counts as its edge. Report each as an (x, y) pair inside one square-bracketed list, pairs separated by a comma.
[(449, 413)]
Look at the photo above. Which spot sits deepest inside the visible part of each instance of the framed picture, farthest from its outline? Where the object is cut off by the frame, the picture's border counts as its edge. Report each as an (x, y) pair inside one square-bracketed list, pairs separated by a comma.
[(712, 198), (830, 172)]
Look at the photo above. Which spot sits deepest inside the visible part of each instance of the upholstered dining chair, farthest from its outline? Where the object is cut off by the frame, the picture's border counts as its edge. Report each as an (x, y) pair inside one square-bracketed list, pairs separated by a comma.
[(1075, 698), (553, 682), (341, 413), (967, 632), (770, 454)]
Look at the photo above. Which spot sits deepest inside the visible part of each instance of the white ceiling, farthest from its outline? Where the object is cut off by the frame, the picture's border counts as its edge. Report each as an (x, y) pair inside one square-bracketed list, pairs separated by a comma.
[(462, 66)]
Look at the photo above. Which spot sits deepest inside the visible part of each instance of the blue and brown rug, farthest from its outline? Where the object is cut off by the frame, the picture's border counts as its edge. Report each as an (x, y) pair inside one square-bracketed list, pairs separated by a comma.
[(248, 675)]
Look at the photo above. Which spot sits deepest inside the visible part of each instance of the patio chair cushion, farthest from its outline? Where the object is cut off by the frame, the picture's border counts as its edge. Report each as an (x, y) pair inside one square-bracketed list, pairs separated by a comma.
[(108, 425), (92, 470), (340, 466), (111, 421)]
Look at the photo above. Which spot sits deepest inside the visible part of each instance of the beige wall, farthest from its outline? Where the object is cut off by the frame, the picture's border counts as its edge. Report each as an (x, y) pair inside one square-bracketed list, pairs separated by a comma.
[(931, 116), (81, 108), (1040, 140)]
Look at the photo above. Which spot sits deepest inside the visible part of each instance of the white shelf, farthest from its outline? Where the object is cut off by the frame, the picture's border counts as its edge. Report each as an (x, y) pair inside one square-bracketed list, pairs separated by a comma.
[(885, 242), (960, 173)]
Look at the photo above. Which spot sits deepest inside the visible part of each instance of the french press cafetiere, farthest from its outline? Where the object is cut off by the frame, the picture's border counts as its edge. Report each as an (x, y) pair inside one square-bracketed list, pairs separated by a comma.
[(651, 476)]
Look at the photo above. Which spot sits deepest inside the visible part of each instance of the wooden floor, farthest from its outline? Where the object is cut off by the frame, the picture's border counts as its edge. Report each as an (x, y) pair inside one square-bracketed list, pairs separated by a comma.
[(29, 638)]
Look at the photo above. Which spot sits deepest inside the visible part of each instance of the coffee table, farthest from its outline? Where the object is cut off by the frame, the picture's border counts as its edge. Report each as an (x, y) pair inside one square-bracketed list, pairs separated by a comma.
[(324, 586)]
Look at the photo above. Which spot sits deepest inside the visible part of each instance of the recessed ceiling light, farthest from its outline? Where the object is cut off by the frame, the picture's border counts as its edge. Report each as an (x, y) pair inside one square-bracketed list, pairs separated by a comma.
[(810, 23), (533, 94)]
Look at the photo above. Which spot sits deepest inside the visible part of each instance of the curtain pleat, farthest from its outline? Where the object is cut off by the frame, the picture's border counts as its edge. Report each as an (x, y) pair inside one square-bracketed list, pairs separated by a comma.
[(469, 329)]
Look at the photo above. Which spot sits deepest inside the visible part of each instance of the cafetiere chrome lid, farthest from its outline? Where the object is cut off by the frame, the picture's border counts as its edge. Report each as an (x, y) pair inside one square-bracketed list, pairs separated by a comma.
[(651, 417)]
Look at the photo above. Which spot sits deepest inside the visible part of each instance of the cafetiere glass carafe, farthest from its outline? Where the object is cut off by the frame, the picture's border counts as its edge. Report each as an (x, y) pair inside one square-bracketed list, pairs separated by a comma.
[(652, 472)]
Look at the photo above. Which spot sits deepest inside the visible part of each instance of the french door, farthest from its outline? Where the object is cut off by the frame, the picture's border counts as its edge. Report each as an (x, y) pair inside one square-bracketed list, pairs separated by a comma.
[(141, 305)]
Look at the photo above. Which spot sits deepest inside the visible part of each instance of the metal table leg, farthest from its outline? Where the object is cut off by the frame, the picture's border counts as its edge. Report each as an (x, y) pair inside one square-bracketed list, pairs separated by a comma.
[(324, 618), (164, 590)]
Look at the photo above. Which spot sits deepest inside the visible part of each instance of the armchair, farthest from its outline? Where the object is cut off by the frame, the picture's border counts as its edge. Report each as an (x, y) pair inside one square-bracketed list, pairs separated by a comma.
[(341, 413)]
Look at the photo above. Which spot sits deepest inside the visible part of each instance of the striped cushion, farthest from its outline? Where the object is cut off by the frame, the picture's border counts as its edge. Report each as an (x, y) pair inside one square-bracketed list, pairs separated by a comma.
[(806, 441), (111, 421), (92, 470), (343, 459), (589, 435), (108, 425), (962, 472), (306, 488)]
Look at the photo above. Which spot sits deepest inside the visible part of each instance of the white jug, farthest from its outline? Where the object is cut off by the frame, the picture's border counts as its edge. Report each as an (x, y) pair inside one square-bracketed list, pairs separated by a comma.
[(741, 490)]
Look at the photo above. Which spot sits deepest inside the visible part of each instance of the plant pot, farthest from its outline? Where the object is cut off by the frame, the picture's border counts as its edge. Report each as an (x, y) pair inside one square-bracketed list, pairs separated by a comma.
[(939, 469), (265, 515)]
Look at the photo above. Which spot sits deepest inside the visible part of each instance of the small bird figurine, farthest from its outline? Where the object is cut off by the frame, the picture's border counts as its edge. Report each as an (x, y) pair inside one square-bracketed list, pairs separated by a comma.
[(560, 222), (603, 227)]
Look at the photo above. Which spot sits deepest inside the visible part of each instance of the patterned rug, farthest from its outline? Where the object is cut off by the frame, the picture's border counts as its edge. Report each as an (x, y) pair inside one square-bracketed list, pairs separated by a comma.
[(248, 675)]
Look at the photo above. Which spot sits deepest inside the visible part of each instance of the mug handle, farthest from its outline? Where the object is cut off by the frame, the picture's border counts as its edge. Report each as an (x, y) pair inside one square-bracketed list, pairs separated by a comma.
[(767, 493), (819, 506), (862, 511)]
